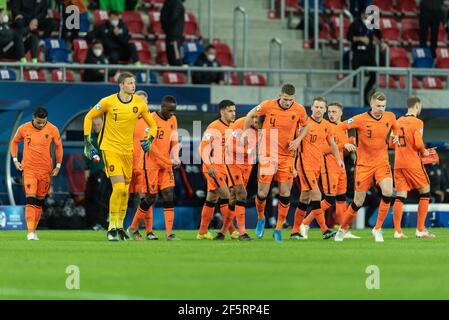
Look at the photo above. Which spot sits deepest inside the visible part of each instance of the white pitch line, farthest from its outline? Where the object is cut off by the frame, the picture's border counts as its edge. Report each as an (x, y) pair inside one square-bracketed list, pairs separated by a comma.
[(69, 294)]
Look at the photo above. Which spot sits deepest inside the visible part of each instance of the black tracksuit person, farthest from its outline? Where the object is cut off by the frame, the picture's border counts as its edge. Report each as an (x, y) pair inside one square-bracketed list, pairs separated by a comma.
[(26, 11), (172, 21), (430, 17)]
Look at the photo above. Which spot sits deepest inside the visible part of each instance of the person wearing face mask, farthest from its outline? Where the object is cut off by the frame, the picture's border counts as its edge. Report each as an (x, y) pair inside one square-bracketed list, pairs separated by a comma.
[(361, 36), (115, 37), (208, 59), (14, 44), (95, 55)]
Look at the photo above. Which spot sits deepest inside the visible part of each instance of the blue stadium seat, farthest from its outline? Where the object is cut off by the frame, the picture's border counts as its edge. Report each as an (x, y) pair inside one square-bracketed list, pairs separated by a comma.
[(141, 77), (84, 22), (191, 51), (56, 50), (422, 58), (6, 74)]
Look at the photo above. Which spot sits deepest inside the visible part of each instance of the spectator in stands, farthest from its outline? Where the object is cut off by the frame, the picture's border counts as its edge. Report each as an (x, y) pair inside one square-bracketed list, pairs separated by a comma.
[(172, 21), (13, 45), (115, 38), (95, 55), (356, 6), (430, 17), (363, 49), (438, 181), (98, 187), (32, 14), (207, 59)]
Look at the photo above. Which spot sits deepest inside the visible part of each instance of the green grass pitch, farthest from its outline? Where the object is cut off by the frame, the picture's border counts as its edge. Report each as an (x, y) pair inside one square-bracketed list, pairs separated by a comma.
[(192, 269)]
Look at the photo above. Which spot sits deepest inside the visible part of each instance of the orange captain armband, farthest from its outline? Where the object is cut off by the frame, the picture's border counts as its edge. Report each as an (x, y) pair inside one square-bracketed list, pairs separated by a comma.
[(431, 158)]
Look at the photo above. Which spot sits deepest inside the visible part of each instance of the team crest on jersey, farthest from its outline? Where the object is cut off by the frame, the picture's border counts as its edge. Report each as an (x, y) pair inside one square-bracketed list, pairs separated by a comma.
[(98, 107), (28, 186), (135, 109), (234, 134), (387, 124), (350, 121), (147, 130), (293, 117), (171, 127), (111, 168), (207, 136), (46, 136)]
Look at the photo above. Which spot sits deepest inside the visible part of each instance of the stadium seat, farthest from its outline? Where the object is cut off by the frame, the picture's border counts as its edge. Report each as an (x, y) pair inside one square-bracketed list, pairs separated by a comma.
[(155, 27), (415, 83), (57, 75), (84, 23), (231, 79), (191, 51), (442, 58), (54, 14), (334, 5), (390, 31), (410, 31), (254, 79), (101, 16), (80, 49), (161, 53), (290, 5), (143, 50), (134, 22), (56, 50), (407, 7), (6, 74), (335, 20), (325, 31), (442, 36), (385, 6), (173, 77), (141, 77), (34, 75), (383, 82), (432, 83), (422, 58), (191, 29), (223, 53), (399, 58)]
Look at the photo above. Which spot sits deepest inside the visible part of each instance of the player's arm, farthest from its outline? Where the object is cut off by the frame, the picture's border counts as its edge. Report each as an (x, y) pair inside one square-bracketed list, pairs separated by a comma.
[(335, 152), (59, 152), (205, 149), (293, 145), (419, 142), (175, 146), (15, 148), (348, 144), (96, 111), (259, 111), (146, 144)]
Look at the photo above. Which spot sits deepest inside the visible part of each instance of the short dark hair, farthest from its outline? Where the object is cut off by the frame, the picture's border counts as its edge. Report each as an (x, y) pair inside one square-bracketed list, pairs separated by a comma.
[(288, 89), (320, 99), (412, 101), (114, 12), (337, 104), (96, 41), (378, 96), (210, 46), (224, 104), (123, 76), (169, 99), (40, 113)]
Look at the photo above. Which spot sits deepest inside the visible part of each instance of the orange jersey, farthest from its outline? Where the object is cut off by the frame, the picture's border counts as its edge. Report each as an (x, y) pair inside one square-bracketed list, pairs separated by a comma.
[(284, 122), (165, 144), (311, 152), (140, 133), (37, 157), (407, 152), (235, 152), (372, 137), (340, 137), (212, 146)]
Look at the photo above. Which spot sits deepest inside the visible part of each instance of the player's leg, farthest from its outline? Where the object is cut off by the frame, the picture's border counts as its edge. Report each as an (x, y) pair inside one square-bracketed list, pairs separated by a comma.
[(386, 186), (30, 186), (300, 214), (340, 199), (283, 208), (266, 171), (398, 206), (206, 214), (126, 163), (43, 188), (350, 214), (318, 212), (169, 212), (240, 204), (422, 183), (224, 194)]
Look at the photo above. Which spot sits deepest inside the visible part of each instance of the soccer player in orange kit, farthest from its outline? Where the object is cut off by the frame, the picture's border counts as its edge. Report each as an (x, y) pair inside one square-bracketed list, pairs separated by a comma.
[(372, 134), (409, 172), (333, 179), (37, 164), (157, 166), (308, 165), (283, 120)]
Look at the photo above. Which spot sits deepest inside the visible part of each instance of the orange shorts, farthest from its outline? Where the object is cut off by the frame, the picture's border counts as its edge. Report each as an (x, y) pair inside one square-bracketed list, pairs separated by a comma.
[(308, 179), (406, 179), (281, 170), (36, 183), (157, 178), (220, 180), (333, 179), (238, 174), (364, 176), (136, 181)]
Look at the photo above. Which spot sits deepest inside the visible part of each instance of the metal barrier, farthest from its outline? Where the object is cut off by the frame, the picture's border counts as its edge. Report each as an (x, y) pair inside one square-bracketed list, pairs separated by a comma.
[(241, 10), (8, 177), (210, 20), (316, 28), (341, 23), (275, 42)]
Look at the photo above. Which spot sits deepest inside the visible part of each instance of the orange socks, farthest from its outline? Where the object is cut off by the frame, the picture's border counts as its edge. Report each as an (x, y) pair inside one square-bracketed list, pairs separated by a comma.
[(226, 213), (206, 216), (37, 217), (138, 217), (169, 215), (349, 215), (283, 207), (384, 206), (423, 208), (260, 207), (240, 214), (397, 213), (300, 214), (30, 216), (148, 218), (319, 216)]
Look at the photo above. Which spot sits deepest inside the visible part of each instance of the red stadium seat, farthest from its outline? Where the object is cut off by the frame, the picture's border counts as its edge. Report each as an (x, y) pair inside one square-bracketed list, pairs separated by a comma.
[(134, 22), (80, 49), (385, 6), (433, 83), (442, 58), (390, 30), (191, 29), (334, 5), (290, 5), (169, 77), (223, 53), (143, 50), (399, 58), (161, 52), (415, 83), (34, 75), (155, 24), (383, 82), (442, 36), (335, 20), (101, 16), (410, 31), (57, 75), (254, 79), (232, 79), (407, 7)]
